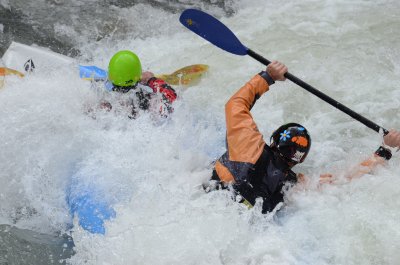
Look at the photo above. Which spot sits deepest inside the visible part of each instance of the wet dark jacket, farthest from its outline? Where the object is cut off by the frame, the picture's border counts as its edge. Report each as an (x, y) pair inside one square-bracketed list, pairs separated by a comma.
[(253, 168), (156, 87)]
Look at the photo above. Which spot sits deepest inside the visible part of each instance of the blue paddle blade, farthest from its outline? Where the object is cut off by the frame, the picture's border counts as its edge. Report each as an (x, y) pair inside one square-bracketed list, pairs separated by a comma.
[(211, 29), (92, 72)]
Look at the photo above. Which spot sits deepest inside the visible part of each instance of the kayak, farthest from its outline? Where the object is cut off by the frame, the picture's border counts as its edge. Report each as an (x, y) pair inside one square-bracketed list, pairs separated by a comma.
[(25, 59), (21, 59), (89, 204)]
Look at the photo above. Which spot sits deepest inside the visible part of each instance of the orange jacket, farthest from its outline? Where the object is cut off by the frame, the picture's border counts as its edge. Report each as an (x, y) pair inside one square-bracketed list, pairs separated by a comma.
[(244, 141)]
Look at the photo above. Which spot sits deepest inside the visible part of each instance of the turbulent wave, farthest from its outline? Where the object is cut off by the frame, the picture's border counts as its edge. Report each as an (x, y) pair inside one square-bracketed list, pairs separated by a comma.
[(58, 24), (153, 170)]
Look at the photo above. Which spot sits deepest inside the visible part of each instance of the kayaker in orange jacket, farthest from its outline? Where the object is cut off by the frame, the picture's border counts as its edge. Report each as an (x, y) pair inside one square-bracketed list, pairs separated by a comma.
[(254, 169)]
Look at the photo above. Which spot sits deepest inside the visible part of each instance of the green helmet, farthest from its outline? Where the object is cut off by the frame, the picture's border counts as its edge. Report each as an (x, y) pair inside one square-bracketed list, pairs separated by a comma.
[(124, 69)]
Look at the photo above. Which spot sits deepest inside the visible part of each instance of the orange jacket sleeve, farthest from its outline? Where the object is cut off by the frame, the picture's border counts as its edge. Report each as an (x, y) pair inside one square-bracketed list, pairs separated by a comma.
[(245, 142)]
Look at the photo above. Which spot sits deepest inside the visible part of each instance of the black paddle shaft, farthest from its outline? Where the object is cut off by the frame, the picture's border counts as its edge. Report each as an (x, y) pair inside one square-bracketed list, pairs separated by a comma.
[(322, 96)]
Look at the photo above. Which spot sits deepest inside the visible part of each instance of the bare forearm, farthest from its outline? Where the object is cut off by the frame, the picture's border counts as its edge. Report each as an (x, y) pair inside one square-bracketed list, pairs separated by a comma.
[(365, 167)]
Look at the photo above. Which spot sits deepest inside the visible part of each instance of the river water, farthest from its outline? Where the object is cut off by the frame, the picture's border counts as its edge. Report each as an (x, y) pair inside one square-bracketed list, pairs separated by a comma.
[(153, 169)]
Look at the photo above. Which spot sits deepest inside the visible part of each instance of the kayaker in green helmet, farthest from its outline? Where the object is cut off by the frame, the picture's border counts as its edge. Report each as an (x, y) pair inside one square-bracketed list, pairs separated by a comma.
[(125, 76)]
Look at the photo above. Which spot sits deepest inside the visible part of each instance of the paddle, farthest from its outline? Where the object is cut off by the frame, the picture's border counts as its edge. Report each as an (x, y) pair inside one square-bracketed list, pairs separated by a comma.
[(187, 75), (211, 29), (7, 71)]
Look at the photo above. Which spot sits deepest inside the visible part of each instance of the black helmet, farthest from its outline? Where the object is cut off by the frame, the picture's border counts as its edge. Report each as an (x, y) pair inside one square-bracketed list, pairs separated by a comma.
[(292, 141)]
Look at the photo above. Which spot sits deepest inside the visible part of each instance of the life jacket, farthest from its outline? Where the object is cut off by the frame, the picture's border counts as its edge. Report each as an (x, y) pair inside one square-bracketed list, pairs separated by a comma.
[(266, 179), (142, 95)]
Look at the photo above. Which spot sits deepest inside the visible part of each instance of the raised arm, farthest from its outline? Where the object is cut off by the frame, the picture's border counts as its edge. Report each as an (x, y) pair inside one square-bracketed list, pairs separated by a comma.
[(245, 142), (160, 86)]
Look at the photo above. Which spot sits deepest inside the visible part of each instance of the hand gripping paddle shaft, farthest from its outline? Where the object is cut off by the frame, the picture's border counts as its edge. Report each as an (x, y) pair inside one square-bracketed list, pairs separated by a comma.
[(214, 31)]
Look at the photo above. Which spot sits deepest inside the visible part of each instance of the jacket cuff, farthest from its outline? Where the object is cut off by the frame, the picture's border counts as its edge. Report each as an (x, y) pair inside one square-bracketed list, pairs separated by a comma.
[(267, 77), (151, 80), (384, 152)]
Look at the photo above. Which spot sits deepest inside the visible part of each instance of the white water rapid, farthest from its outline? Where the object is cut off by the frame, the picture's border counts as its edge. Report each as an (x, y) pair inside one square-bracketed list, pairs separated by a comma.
[(349, 50)]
